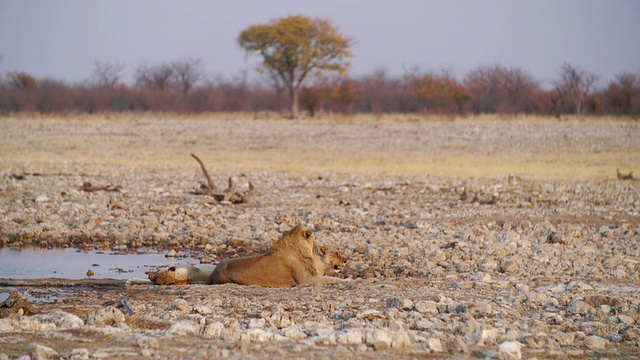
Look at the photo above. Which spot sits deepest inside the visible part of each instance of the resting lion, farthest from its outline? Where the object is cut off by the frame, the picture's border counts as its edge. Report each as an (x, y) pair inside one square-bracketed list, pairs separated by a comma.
[(182, 274), (289, 256)]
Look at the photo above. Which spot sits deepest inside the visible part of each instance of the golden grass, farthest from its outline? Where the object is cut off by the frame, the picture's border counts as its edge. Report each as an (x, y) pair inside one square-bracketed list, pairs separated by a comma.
[(223, 142)]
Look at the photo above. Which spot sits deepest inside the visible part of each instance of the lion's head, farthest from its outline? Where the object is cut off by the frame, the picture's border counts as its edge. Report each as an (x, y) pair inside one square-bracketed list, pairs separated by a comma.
[(300, 238), (331, 257)]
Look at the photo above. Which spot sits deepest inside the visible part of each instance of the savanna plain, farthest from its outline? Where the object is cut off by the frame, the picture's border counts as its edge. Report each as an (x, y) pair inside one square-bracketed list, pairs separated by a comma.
[(476, 237)]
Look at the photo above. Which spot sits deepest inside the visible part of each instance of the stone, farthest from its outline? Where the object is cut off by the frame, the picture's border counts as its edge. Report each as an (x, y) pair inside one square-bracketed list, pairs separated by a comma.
[(435, 345), (350, 337), (179, 305), (42, 352), (580, 307), (510, 350), (104, 316), (486, 336), (595, 342), (148, 342), (41, 199), (509, 266), (456, 344), (383, 339), (184, 327), (213, 330), (29, 323), (257, 324), (427, 307), (61, 319), (202, 310), (79, 354)]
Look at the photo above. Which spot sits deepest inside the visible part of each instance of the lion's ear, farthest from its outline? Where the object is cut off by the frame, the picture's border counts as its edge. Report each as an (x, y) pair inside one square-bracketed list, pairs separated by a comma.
[(322, 250), (307, 234)]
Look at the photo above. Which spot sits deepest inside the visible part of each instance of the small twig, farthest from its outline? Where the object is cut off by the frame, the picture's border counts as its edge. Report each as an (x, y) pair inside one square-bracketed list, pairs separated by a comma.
[(88, 187)]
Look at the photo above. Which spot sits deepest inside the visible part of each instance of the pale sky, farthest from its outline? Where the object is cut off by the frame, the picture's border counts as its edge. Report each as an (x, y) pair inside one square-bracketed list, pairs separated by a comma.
[(61, 39)]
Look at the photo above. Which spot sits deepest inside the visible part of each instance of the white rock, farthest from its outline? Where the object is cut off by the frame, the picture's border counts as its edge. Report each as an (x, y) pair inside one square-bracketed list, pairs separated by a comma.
[(482, 276), (379, 339), (28, 323), (259, 335), (280, 318), (180, 305), (580, 307), (257, 324), (624, 319), (104, 316), (148, 342), (350, 336), (171, 254), (61, 319), (510, 350), (595, 342), (184, 327), (214, 330), (79, 354), (202, 310), (435, 345), (578, 286), (41, 352), (41, 199), (426, 307), (384, 339), (5, 325), (486, 336), (293, 332)]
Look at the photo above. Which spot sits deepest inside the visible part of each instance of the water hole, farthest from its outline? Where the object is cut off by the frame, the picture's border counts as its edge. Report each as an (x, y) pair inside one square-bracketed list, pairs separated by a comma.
[(74, 264)]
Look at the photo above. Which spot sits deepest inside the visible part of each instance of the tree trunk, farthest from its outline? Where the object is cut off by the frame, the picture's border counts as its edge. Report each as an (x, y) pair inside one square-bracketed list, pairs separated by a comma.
[(293, 95)]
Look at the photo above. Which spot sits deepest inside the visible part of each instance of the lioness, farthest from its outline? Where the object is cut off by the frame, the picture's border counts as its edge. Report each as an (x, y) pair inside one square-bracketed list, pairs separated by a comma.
[(324, 258), (182, 274), (290, 263)]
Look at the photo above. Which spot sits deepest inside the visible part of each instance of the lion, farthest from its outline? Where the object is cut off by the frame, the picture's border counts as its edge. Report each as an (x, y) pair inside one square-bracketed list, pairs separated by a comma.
[(182, 274), (289, 263), (324, 258)]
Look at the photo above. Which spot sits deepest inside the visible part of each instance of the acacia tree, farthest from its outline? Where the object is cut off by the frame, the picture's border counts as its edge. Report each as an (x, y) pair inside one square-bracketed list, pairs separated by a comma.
[(295, 48)]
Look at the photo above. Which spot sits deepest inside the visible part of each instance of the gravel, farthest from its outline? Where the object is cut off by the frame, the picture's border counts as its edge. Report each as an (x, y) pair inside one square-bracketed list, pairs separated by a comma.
[(503, 267)]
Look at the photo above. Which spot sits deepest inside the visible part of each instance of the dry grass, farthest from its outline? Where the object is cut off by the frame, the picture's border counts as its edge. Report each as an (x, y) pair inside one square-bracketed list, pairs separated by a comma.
[(488, 146)]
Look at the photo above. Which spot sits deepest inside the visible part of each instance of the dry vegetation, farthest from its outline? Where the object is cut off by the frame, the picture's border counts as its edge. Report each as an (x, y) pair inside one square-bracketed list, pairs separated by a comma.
[(460, 234)]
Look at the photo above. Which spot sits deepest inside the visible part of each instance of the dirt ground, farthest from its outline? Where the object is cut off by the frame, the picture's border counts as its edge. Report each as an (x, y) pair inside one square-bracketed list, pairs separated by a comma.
[(463, 237)]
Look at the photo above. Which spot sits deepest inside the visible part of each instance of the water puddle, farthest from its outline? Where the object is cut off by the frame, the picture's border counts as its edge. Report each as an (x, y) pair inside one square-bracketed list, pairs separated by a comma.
[(74, 264)]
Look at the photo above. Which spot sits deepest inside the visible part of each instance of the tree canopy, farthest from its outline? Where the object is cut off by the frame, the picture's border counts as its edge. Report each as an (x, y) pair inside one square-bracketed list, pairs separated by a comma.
[(296, 48)]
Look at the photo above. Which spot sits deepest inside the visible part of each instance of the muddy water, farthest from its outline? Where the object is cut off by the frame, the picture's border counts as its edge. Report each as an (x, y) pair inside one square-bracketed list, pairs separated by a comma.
[(74, 264)]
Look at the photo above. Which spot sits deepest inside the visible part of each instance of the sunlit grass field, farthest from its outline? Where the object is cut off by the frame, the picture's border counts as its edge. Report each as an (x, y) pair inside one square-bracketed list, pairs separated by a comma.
[(484, 146)]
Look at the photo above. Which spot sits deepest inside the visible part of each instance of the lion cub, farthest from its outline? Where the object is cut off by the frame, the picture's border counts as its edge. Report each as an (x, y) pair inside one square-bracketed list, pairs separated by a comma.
[(289, 263)]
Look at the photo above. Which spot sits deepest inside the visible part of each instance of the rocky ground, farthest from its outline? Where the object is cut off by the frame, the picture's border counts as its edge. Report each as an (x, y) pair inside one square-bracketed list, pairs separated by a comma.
[(448, 258)]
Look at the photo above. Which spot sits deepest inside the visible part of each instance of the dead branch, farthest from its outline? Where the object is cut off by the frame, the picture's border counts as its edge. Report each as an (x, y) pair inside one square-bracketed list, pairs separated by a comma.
[(212, 186), (16, 305), (88, 187), (230, 194), (623, 176)]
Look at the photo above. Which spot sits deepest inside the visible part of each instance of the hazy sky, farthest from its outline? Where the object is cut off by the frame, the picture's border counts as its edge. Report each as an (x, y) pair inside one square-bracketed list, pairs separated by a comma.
[(62, 38)]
